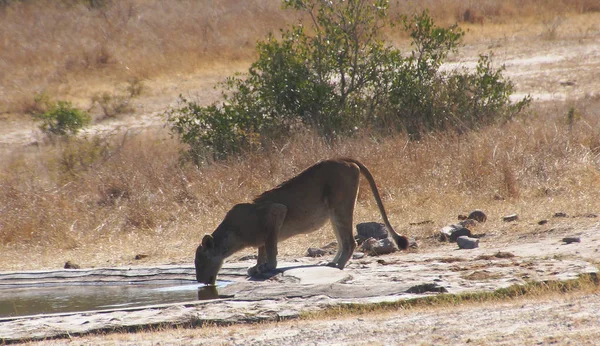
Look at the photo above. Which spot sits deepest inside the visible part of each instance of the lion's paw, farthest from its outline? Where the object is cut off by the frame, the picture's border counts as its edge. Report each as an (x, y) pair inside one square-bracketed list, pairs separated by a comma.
[(260, 269)]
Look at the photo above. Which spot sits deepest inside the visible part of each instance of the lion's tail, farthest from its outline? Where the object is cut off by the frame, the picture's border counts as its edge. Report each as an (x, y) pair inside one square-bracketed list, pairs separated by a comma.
[(401, 241)]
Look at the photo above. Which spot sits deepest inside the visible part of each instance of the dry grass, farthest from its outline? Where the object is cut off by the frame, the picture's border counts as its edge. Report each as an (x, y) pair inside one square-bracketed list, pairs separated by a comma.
[(102, 201), (65, 47), (68, 49)]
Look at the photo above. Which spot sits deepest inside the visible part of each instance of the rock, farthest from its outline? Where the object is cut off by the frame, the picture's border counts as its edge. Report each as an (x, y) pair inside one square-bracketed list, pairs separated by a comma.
[(570, 240), (542, 222), (452, 232), (477, 215), (71, 265), (412, 243), (368, 230), (468, 223), (560, 214), (465, 242), (248, 257), (328, 249), (140, 256), (375, 247), (510, 218), (424, 288), (358, 255), (315, 252)]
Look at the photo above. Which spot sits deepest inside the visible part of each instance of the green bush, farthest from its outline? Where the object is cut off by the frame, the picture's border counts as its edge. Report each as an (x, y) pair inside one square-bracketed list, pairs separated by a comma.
[(338, 76), (62, 119)]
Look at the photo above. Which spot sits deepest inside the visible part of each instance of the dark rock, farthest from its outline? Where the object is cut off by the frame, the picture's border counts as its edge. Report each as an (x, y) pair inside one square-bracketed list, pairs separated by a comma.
[(452, 232), (560, 214), (140, 256), (368, 230), (71, 265), (328, 249), (315, 252), (375, 247), (424, 288), (510, 218), (477, 215), (412, 243), (542, 222), (248, 257), (570, 240), (466, 243), (468, 223)]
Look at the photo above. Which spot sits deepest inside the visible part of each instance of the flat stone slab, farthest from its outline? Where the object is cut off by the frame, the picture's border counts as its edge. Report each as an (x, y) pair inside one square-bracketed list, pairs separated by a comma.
[(314, 275), (304, 285)]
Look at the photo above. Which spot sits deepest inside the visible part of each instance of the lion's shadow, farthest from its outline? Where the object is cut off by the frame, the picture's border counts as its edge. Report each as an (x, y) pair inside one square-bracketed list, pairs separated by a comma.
[(273, 273)]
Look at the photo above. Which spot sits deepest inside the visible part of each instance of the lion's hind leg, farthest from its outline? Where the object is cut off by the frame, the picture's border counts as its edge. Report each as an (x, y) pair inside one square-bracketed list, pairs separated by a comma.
[(342, 225), (342, 201)]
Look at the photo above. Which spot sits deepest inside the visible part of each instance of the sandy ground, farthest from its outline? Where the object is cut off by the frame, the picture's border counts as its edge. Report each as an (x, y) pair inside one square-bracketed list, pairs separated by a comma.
[(557, 321), (543, 317)]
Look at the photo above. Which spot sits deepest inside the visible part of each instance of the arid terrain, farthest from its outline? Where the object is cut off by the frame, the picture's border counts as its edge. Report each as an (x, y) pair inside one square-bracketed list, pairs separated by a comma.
[(536, 166)]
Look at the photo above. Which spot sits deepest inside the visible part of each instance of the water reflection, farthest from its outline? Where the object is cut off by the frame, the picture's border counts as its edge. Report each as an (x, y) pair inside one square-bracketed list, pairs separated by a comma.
[(207, 292), (46, 300)]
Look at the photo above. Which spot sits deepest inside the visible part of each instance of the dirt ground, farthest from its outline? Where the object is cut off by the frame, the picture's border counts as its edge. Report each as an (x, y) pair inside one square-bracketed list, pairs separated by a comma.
[(253, 307)]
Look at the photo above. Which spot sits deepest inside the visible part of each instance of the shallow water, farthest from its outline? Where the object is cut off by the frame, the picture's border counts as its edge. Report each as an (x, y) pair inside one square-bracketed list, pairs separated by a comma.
[(74, 298)]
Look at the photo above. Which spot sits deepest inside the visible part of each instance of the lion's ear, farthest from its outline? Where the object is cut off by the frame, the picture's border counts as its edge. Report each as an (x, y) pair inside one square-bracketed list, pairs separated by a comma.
[(208, 241)]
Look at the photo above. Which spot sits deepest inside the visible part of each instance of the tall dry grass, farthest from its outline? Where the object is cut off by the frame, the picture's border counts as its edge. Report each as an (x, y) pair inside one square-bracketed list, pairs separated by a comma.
[(61, 45), (69, 49), (102, 201)]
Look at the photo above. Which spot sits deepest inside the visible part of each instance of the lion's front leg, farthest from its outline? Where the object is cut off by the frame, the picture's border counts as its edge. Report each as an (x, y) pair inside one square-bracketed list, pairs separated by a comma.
[(261, 263), (273, 216)]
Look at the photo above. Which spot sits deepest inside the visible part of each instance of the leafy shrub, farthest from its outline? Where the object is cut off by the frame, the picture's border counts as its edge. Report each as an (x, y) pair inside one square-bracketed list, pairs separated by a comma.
[(339, 76), (62, 119)]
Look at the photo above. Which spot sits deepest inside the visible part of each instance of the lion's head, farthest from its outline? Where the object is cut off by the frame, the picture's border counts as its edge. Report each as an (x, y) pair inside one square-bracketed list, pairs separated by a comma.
[(207, 263)]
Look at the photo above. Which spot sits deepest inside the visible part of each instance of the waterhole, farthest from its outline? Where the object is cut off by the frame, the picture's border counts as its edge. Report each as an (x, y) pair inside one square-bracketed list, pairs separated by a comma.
[(76, 298)]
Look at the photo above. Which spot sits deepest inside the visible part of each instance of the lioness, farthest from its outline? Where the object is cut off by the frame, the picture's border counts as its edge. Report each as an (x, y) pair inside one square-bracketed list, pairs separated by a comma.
[(327, 190)]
